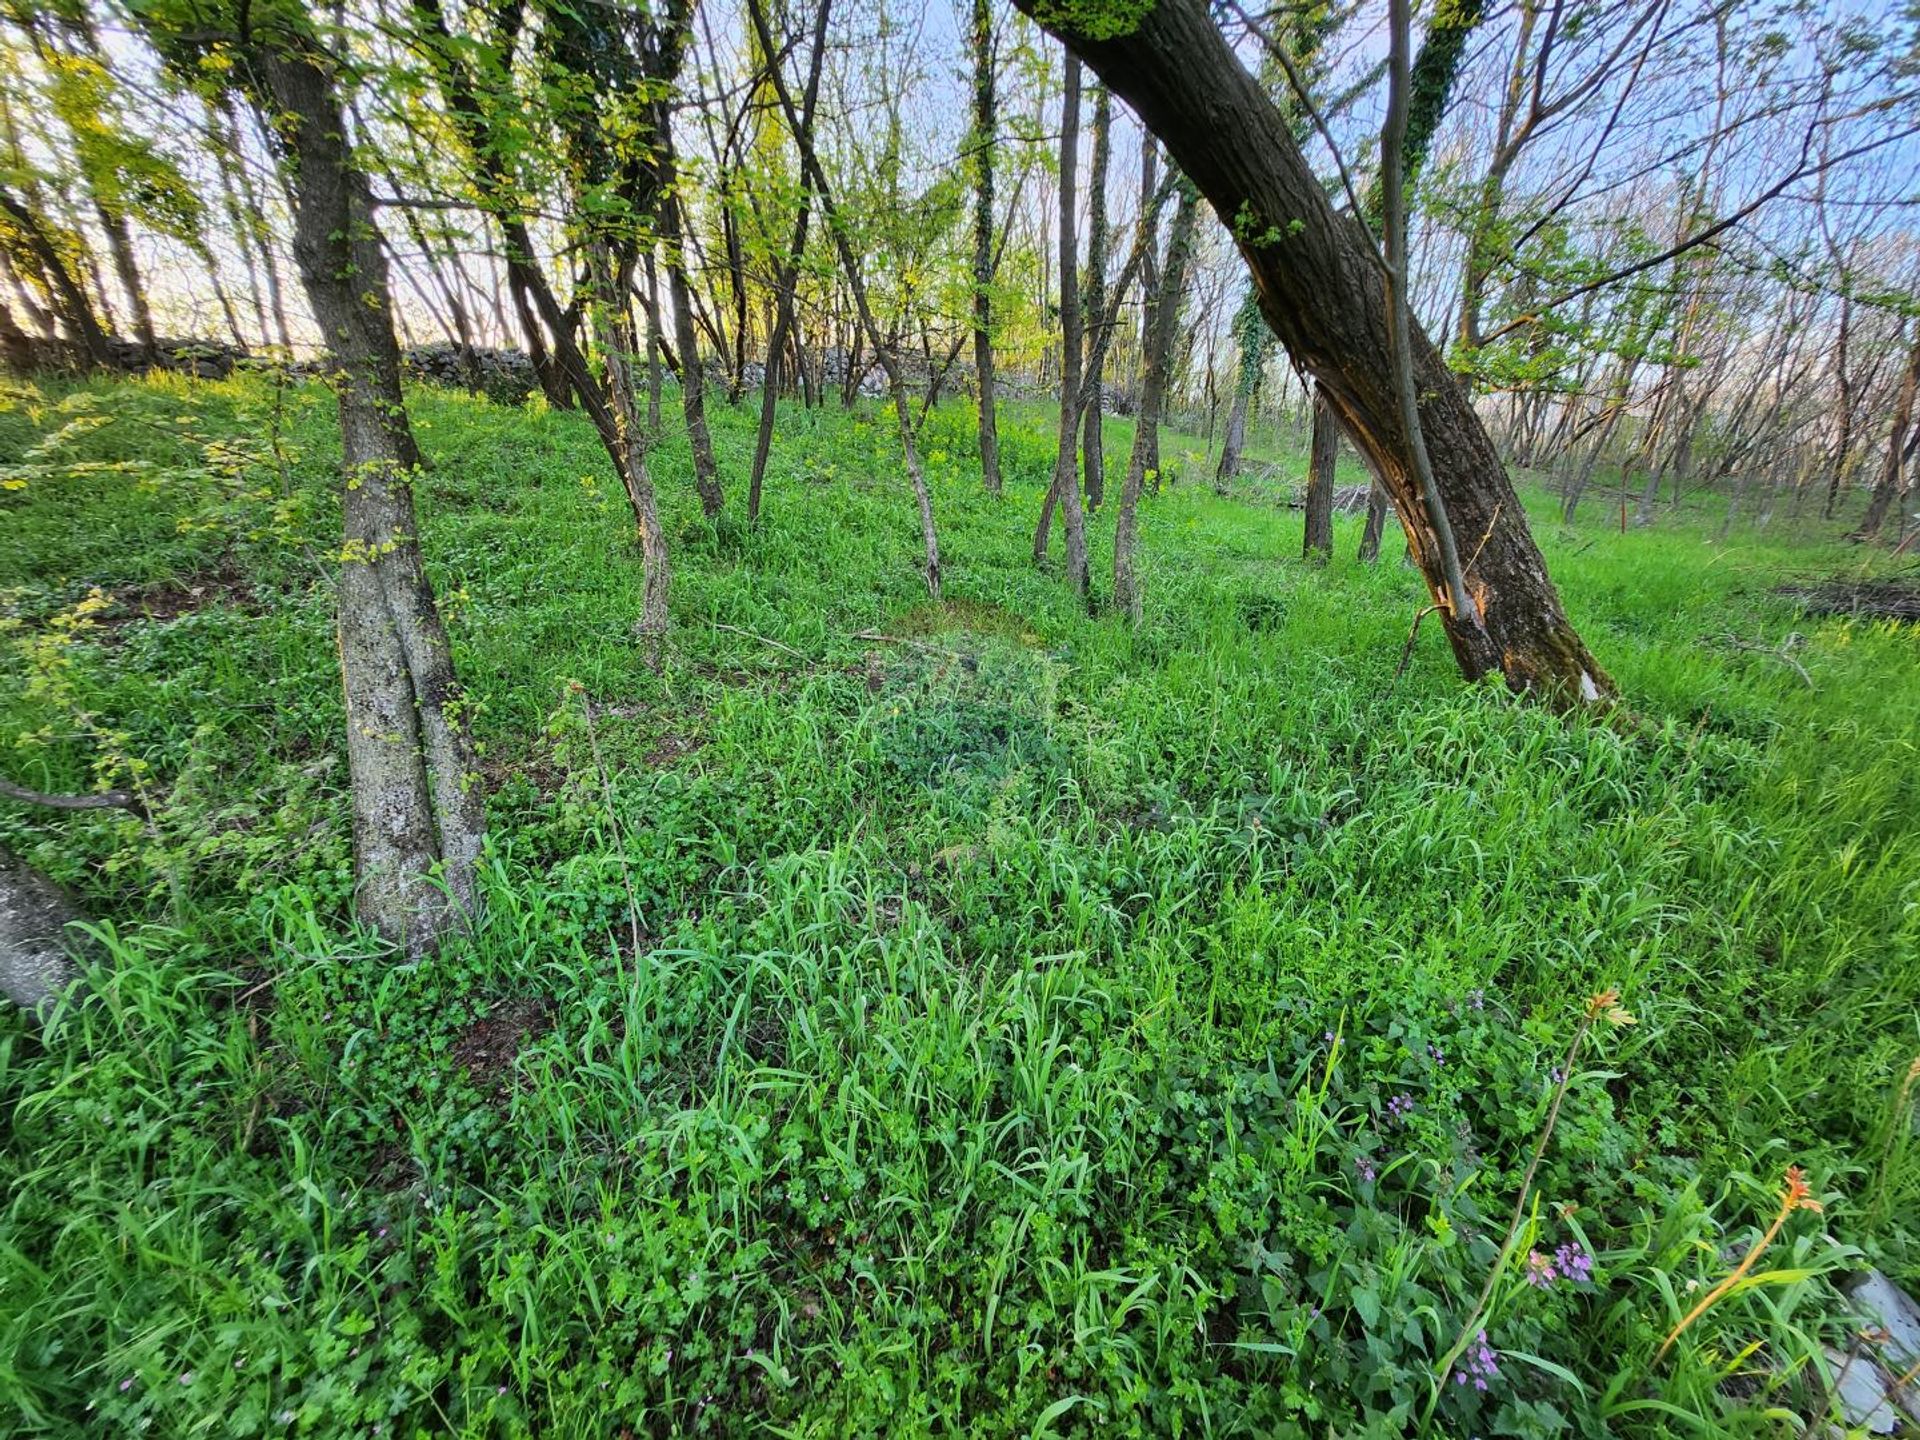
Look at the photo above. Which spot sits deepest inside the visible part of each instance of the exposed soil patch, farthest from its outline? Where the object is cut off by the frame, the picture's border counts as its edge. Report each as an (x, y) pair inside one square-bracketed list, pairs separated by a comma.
[(537, 769), (671, 748), (487, 1048), (164, 600), (1871, 599)]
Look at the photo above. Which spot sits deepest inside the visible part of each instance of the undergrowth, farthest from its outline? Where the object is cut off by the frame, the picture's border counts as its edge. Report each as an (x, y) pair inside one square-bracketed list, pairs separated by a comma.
[(1038, 1025)]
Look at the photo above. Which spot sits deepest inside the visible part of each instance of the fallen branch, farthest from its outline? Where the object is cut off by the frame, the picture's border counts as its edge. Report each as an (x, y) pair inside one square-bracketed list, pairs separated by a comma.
[(764, 640), (102, 800)]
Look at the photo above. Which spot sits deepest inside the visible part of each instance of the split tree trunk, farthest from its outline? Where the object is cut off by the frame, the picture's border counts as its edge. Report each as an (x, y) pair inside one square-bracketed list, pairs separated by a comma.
[(1325, 298), (416, 799)]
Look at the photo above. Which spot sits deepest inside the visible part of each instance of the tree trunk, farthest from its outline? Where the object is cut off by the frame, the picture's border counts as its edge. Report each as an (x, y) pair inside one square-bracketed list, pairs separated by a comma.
[(126, 270), (68, 292), (706, 474), (613, 329), (416, 800), (39, 954), (1324, 297), (1094, 300), (856, 282), (1065, 489), (1378, 504), (985, 141), (784, 284), (652, 299), (1316, 546), (1250, 331), (1888, 487), (1153, 390)]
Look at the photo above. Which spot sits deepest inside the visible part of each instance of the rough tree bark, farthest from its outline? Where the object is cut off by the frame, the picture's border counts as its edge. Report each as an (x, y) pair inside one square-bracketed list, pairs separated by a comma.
[(985, 142), (1316, 544), (39, 954), (416, 798), (1324, 296), (1065, 489), (1153, 392)]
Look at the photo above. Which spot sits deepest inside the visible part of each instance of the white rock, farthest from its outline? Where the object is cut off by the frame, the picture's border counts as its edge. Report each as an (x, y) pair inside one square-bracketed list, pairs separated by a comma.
[(1885, 1304)]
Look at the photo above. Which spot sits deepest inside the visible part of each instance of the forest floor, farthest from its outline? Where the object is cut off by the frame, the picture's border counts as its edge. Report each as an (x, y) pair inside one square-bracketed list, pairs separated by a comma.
[(895, 1018)]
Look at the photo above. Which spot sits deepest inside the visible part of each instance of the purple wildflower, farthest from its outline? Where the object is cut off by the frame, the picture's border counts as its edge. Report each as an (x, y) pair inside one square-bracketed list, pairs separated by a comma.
[(1477, 1000), (1399, 1108), (1438, 1056), (1478, 1365), (1574, 1262), (1364, 1167)]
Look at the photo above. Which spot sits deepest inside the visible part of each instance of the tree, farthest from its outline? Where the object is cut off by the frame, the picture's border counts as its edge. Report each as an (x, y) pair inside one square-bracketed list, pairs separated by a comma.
[(856, 282), (1316, 543), (1094, 297), (1065, 489), (1252, 336), (1153, 390), (1323, 294), (418, 815), (985, 141), (1888, 487)]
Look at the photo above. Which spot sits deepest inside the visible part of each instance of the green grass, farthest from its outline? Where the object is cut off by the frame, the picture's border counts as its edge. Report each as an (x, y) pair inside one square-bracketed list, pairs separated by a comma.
[(1023, 999)]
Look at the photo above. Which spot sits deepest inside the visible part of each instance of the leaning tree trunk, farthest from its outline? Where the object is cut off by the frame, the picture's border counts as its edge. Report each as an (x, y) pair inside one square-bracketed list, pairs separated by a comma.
[(984, 141), (68, 291), (1323, 295), (416, 799), (39, 953), (1316, 545)]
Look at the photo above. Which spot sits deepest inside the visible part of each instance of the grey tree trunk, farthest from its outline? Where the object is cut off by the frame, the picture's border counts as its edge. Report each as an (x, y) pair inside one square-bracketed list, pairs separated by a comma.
[(613, 330), (785, 279), (417, 805), (1316, 545), (126, 270), (1378, 503), (1323, 295), (39, 955)]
